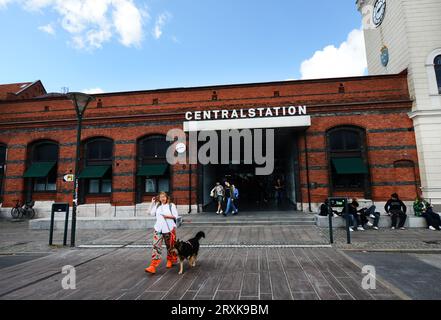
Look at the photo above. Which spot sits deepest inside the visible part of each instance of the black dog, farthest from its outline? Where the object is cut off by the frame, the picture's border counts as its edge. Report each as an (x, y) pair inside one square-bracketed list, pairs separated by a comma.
[(188, 250)]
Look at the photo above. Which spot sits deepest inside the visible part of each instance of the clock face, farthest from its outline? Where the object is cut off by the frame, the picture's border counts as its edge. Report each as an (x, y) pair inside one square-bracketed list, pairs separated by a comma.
[(181, 148), (379, 12)]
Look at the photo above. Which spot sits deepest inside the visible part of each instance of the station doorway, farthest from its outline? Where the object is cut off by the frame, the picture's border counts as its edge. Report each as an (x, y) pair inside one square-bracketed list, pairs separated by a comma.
[(258, 192)]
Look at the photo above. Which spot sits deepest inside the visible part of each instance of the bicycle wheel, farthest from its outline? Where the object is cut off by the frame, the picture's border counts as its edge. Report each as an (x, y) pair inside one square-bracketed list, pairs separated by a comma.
[(15, 213), (30, 213)]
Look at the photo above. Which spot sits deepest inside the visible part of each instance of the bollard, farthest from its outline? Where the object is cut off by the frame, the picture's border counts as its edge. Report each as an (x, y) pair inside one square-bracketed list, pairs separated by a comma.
[(331, 230), (348, 233)]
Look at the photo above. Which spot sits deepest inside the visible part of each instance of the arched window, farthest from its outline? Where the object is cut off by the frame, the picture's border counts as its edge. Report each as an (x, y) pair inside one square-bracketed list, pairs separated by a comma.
[(347, 156), (97, 166), (153, 174), (42, 166), (2, 168), (437, 64)]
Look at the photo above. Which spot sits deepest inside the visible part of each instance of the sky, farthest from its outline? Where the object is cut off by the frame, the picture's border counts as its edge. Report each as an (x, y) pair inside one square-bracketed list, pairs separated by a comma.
[(125, 45)]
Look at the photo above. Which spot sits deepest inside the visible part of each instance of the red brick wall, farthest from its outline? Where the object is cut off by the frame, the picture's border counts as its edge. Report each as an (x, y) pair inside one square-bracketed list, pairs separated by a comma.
[(374, 103)]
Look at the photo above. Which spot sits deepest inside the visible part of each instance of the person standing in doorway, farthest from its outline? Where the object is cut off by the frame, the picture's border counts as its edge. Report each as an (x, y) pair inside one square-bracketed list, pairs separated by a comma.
[(235, 194), (397, 210), (229, 196), (164, 231), (279, 188), (218, 193)]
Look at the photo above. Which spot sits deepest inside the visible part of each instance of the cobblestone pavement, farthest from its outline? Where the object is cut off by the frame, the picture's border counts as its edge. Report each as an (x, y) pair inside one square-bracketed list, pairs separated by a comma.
[(310, 269), (386, 239), (15, 237)]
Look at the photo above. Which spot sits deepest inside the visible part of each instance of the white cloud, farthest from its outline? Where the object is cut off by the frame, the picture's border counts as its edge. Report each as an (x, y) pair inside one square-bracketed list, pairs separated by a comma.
[(93, 91), (49, 29), (161, 20), (4, 3), (91, 23), (128, 20), (349, 59)]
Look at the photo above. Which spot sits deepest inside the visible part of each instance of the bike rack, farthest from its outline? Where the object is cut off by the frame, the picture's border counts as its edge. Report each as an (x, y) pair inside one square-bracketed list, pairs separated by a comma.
[(59, 208)]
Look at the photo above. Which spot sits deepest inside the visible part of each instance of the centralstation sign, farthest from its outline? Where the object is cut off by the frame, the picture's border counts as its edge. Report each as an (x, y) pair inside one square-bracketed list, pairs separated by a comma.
[(226, 114), (252, 118)]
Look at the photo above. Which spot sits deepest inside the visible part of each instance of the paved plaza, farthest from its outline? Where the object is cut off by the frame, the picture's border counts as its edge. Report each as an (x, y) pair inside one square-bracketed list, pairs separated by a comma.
[(239, 261)]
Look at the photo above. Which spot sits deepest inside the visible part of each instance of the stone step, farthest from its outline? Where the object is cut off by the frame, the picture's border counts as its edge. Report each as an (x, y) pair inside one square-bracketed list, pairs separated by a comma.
[(140, 223)]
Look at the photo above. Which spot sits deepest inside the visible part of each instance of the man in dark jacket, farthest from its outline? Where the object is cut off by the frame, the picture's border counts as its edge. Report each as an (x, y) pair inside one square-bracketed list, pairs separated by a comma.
[(397, 210), (353, 215)]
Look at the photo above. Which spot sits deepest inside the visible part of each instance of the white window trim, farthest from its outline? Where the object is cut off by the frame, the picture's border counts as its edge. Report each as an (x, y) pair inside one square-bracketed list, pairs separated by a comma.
[(430, 68)]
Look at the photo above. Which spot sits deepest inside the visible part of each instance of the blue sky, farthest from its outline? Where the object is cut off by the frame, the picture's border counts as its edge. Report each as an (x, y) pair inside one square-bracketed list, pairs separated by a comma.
[(124, 45)]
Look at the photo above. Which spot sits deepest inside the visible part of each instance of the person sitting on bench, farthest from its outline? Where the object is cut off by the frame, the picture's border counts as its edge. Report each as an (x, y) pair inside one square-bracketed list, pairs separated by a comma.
[(354, 216), (424, 209), (370, 212), (326, 209), (397, 210)]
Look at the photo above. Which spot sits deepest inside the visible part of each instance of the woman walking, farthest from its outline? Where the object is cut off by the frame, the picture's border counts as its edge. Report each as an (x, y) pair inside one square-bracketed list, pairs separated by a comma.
[(165, 230)]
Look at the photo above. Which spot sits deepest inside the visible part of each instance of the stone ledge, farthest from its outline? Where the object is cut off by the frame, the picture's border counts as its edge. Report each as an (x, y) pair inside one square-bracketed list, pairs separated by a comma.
[(385, 222)]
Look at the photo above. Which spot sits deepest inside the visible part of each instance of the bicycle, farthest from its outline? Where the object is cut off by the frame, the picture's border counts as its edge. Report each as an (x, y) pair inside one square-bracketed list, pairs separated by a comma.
[(27, 210)]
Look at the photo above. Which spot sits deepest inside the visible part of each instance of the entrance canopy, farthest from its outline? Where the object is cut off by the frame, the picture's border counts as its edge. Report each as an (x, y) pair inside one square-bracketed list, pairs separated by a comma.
[(248, 123)]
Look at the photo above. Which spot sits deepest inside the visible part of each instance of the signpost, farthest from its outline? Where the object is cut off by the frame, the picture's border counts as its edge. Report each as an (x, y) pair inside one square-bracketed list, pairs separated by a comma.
[(340, 203), (69, 178)]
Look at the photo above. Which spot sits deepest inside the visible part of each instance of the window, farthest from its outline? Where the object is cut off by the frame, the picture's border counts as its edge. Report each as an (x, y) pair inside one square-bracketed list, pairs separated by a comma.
[(153, 174), (97, 166), (154, 147), (155, 185), (2, 167), (100, 186), (99, 150), (42, 166), (346, 152), (437, 64)]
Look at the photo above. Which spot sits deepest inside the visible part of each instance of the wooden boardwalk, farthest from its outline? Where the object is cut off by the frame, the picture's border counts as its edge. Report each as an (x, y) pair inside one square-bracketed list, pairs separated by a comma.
[(227, 274)]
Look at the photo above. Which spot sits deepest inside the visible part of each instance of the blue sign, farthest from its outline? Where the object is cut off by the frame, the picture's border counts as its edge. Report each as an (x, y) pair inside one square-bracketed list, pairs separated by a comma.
[(384, 56)]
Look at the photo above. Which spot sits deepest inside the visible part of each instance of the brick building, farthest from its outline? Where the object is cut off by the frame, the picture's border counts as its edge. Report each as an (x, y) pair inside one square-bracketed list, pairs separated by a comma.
[(358, 140)]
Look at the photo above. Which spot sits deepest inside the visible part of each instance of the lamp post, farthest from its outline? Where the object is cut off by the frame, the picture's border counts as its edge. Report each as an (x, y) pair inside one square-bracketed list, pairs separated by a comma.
[(80, 102)]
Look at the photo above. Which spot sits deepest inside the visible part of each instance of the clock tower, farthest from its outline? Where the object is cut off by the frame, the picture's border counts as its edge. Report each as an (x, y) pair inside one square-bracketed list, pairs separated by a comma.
[(406, 35)]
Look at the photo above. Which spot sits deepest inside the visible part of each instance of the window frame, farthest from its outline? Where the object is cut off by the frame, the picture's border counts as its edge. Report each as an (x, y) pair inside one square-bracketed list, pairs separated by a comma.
[(53, 174), (103, 161), (437, 69), (144, 160), (360, 152), (3, 169)]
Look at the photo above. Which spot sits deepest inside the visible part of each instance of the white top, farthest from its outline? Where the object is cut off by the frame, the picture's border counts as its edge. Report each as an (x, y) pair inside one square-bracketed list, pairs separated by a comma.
[(162, 224)]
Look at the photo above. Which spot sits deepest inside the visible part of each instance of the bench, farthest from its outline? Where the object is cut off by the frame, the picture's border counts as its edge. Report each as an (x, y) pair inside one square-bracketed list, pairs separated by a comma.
[(385, 222)]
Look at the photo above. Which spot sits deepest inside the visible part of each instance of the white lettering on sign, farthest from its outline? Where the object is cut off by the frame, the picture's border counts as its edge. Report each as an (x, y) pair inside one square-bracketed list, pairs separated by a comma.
[(246, 113)]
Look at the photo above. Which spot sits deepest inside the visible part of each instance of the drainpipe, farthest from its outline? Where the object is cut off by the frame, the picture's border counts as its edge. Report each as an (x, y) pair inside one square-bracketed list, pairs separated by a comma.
[(189, 190), (307, 172), (189, 171)]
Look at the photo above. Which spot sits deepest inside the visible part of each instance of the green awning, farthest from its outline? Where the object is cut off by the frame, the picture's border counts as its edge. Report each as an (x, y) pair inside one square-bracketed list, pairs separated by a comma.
[(152, 170), (39, 170), (349, 166), (93, 172)]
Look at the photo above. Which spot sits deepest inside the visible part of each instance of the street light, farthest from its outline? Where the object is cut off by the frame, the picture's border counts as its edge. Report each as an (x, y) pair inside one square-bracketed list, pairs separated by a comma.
[(80, 102)]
